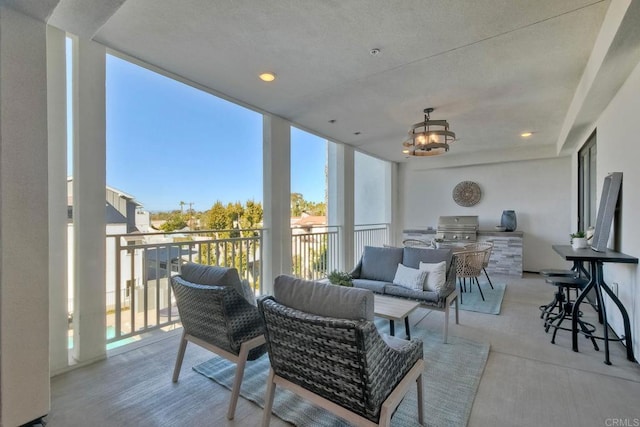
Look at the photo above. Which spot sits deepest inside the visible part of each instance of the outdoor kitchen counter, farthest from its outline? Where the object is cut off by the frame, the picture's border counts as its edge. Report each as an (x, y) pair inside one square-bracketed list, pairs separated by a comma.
[(506, 257), (416, 233)]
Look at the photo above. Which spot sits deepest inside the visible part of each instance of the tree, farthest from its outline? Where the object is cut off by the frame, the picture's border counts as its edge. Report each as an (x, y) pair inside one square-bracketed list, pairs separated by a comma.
[(174, 222), (252, 217), (217, 218), (299, 206)]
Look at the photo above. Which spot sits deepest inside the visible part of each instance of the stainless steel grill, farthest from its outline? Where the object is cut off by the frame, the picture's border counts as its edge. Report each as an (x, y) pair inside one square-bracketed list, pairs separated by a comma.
[(458, 228)]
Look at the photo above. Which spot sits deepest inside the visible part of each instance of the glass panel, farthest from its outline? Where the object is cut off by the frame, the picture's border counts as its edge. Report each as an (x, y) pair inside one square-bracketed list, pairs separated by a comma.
[(587, 185), (593, 187)]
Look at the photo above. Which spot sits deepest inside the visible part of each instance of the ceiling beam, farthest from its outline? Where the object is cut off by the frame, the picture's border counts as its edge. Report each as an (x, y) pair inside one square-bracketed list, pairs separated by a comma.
[(614, 56)]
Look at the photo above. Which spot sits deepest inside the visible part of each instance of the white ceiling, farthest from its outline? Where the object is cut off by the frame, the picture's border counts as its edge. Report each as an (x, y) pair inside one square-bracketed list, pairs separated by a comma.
[(492, 68)]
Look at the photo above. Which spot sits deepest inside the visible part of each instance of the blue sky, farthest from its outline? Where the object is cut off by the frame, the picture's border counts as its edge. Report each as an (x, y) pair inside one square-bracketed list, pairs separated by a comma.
[(169, 142)]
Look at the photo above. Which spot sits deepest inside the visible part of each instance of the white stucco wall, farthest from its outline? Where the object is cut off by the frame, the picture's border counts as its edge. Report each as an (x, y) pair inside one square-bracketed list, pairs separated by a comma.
[(618, 137), (24, 244), (371, 190), (538, 190)]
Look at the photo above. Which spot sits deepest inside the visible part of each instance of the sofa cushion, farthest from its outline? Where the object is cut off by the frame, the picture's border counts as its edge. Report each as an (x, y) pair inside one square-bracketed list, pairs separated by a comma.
[(381, 263), (436, 277), (411, 278), (324, 299), (412, 256), (376, 286), (428, 297), (214, 275)]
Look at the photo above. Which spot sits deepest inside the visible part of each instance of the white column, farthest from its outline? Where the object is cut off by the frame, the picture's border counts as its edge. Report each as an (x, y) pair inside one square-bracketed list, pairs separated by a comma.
[(57, 153), (341, 205), (24, 246), (276, 246), (394, 211), (89, 192)]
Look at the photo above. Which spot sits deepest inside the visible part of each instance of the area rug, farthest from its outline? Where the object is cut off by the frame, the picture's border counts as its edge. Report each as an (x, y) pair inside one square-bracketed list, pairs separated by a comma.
[(472, 301), (451, 377)]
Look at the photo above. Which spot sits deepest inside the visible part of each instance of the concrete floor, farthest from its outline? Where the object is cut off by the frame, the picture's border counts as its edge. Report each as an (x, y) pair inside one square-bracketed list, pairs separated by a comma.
[(527, 381), (530, 382)]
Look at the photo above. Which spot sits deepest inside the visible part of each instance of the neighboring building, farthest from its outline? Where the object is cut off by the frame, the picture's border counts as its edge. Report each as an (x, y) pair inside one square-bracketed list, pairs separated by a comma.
[(125, 217)]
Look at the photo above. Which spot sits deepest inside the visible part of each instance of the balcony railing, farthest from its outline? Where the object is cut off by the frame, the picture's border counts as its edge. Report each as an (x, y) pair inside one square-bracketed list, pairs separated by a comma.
[(139, 266), (369, 235), (315, 251)]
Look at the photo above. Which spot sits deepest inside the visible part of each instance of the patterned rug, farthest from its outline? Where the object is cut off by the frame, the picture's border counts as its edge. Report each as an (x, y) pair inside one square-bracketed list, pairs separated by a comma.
[(472, 301), (450, 382)]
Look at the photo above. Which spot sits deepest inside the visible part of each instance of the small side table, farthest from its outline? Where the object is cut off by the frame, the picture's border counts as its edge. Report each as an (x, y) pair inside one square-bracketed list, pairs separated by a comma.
[(394, 309)]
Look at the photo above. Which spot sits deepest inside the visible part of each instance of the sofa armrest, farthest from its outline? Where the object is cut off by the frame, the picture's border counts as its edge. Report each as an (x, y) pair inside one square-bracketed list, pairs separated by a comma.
[(450, 283), (355, 273)]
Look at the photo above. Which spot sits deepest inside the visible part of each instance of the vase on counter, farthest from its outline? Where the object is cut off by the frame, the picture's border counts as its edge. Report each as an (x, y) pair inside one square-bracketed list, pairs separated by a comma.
[(508, 220)]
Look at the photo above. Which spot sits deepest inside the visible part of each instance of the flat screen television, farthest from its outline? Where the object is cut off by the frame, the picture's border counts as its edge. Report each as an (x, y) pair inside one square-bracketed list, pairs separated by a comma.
[(606, 211)]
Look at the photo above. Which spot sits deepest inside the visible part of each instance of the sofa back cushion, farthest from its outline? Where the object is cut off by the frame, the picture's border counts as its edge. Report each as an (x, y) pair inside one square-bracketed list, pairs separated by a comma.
[(323, 299), (413, 256), (381, 263)]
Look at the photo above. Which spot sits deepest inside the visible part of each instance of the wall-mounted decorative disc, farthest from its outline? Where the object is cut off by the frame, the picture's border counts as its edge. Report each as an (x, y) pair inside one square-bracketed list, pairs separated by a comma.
[(467, 193)]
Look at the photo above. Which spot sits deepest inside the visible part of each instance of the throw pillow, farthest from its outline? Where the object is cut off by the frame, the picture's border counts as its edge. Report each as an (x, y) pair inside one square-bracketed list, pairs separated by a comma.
[(436, 277), (411, 278)]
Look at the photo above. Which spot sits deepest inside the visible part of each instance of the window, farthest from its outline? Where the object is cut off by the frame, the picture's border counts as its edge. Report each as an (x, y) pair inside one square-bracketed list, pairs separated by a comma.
[(587, 184)]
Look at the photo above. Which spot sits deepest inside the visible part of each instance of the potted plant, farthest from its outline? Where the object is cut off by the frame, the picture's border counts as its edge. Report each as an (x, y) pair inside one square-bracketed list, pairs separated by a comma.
[(437, 242), (578, 240), (340, 278)]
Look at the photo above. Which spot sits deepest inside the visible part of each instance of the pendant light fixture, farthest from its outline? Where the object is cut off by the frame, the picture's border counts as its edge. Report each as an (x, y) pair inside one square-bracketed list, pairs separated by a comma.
[(428, 138)]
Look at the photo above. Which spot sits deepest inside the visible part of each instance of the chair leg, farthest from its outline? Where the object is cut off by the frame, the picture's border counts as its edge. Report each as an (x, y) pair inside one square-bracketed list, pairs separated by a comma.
[(420, 402), (237, 381), (268, 399), (457, 310), (485, 273), (445, 331), (181, 349), (479, 288), (460, 295)]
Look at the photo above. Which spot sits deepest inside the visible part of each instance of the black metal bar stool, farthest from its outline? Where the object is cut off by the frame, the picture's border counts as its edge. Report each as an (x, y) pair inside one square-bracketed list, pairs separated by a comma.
[(554, 320), (556, 302)]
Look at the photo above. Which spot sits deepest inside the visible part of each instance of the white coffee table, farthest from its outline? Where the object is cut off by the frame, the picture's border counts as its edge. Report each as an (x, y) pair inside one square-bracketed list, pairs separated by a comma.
[(394, 309)]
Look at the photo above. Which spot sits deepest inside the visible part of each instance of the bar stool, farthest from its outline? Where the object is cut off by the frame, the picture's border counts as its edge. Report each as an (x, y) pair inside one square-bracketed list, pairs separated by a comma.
[(548, 309), (554, 320)]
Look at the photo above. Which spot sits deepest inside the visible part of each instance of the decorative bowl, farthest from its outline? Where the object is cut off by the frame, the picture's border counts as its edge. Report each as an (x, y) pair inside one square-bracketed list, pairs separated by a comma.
[(500, 228)]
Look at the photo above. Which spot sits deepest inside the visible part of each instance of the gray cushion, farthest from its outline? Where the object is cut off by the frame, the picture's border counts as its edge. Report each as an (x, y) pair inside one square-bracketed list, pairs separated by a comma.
[(213, 275), (401, 291), (413, 255), (373, 285), (324, 299), (380, 263)]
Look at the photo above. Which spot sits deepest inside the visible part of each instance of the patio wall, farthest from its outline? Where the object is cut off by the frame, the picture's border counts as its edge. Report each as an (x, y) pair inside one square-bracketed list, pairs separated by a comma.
[(538, 190)]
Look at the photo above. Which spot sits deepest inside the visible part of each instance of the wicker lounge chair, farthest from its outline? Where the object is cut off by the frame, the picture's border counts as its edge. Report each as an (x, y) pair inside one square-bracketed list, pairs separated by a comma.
[(324, 346), (216, 315)]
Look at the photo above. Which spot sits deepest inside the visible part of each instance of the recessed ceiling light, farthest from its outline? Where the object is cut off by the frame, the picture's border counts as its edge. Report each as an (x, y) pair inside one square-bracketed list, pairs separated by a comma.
[(374, 52), (526, 134), (267, 77), (357, 133), (405, 151)]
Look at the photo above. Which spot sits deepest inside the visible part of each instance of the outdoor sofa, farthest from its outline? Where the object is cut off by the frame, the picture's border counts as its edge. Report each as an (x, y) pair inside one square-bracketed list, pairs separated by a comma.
[(377, 270)]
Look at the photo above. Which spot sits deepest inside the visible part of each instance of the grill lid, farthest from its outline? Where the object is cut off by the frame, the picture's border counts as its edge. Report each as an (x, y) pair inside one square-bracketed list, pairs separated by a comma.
[(458, 228)]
